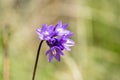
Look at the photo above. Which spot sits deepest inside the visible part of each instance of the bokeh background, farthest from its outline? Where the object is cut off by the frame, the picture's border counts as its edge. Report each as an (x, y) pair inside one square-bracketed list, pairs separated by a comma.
[(96, 27)]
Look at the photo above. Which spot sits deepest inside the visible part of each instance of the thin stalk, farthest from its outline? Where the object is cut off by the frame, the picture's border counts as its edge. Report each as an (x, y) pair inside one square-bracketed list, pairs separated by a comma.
[(36, 61)]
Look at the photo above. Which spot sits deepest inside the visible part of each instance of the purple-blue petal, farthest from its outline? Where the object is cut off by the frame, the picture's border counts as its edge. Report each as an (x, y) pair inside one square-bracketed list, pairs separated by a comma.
[(44, 27), (50, 57), (69, 35), (62, 32), (59, 51), (51, 27), (57, 57), (65, 26), (59, 24), (48, 51)]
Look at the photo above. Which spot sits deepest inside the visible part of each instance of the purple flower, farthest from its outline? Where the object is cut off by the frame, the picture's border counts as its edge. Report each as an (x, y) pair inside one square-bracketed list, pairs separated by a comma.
[(57, 45), (57, 38), (54, 51), (46, 32), (61, 30), (66, 43)]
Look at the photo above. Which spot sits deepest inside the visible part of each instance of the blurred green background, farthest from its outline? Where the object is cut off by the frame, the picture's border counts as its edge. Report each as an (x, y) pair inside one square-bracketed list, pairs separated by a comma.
[(96, 27)]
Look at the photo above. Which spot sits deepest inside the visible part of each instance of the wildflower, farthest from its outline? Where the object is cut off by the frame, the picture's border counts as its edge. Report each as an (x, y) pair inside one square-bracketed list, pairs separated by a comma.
[(66, 43), (57, 45), (57, 38), (45, 33), (54, 51), (61, 30)]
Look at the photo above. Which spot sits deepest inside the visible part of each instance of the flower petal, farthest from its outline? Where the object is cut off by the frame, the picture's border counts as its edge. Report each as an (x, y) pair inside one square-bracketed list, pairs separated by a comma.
[(62, 32), (66, 43), (50, 57), (39, 33), (57, 57), (51, 27), (68, 35), (65, 25), (69, 42), (59, 51), (59, 24), (67, 48), (44, 27), (48, 51)]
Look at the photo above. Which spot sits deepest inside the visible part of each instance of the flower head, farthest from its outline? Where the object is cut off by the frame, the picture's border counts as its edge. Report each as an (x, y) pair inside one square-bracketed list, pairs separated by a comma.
[(68, 43), (46, 32), (61, 30), (54, 51), (57, 38)]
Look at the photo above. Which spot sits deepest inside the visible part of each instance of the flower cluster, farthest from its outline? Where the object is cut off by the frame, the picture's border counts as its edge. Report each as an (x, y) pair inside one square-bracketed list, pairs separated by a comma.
[(57, 38)]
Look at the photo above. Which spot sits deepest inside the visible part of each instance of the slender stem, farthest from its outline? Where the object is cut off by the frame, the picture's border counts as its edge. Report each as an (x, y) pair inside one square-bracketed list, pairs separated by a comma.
[(36, 61)]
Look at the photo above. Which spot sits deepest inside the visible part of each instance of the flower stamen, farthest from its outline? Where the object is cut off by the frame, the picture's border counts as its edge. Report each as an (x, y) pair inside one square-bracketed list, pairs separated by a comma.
[(59, 30), (46, 33), (54, 52)]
